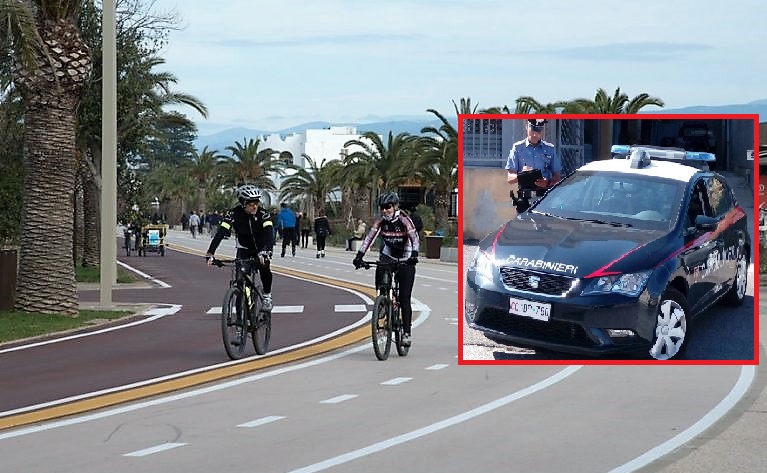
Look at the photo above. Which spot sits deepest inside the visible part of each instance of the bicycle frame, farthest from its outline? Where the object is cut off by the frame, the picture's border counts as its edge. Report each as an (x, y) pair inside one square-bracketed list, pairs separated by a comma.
[(246, 294), (387, 314), (245, 279)]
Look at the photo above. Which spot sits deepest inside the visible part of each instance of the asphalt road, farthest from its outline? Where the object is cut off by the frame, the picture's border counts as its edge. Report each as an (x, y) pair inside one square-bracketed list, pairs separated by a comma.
[(344, 411), (185, 339)]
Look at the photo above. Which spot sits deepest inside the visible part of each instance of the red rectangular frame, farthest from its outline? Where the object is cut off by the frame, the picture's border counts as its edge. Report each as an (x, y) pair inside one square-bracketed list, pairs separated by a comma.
[(596, 361)]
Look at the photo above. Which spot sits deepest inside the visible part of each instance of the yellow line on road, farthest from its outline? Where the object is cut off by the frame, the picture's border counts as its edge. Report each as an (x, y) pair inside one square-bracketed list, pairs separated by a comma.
[(215, 374)]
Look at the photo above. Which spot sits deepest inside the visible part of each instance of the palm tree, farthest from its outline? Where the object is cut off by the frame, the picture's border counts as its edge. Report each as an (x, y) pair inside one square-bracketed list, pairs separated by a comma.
[(437, 170), (250, 165), (169, 185), (203, 170), (529, 105), (314, 184), (465, 106), (618, 103), (437, 162), (381, 166), (53, 63)]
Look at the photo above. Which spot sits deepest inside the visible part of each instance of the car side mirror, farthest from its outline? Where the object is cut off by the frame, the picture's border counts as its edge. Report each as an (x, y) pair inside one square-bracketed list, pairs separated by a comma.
[(703, 222)]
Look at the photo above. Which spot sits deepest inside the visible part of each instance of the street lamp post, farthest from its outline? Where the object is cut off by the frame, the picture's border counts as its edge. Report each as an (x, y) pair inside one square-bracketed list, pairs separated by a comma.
[(109, 156)]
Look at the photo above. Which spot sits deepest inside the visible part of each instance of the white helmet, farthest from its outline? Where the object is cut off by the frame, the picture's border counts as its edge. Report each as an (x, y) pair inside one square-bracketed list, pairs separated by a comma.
[(248, 193)]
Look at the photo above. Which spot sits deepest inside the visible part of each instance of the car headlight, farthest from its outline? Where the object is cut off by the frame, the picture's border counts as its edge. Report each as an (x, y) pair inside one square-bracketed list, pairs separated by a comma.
[(627, 284), (483, 264)]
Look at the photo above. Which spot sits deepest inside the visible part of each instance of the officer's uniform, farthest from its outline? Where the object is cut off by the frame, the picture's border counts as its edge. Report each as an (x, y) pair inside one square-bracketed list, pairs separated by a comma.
[(542, 156)]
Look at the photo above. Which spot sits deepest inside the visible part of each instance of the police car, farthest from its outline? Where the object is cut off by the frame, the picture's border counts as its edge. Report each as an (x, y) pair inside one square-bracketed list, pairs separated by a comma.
[(618, 257)]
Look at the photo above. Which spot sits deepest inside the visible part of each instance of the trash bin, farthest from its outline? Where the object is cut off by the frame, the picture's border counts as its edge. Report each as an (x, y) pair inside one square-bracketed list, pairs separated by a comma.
[(433, 245), (8, 265)]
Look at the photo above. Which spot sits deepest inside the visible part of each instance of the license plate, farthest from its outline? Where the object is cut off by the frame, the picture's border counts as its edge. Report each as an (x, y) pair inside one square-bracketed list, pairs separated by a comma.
[(534, 310)]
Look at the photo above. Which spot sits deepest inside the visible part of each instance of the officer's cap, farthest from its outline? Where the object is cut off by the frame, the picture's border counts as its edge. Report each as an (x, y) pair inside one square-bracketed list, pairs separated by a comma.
[(536, 124)]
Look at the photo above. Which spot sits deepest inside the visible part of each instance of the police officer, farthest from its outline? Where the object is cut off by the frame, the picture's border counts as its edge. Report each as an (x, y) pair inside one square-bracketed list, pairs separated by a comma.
[(534, 153)]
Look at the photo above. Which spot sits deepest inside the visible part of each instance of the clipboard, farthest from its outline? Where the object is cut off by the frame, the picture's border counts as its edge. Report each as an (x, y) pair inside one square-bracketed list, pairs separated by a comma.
[(527, 179)]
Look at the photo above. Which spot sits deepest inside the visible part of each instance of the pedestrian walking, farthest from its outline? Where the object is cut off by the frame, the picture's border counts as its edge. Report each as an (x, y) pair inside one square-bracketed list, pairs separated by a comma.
[(306, 229), (194, 222), (321, 232), (286, 220)]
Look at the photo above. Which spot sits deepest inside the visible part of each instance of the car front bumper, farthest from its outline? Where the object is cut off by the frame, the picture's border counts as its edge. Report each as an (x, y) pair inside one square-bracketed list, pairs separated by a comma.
[(584, 325)]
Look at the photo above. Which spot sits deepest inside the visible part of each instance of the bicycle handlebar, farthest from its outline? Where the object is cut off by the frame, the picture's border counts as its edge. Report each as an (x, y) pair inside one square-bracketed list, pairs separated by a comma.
[(221, 263), (393, 264)]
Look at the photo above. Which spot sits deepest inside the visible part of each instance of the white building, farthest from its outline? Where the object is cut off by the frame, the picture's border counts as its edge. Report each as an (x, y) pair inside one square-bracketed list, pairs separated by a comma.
[(319, 144)]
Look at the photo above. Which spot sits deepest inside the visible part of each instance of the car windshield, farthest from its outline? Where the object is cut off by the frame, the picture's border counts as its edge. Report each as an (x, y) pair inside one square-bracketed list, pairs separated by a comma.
[(643, 202)]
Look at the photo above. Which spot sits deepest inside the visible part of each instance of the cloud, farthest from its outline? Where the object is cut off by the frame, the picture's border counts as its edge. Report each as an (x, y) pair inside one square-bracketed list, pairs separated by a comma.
[(648, 51), (317, 40)]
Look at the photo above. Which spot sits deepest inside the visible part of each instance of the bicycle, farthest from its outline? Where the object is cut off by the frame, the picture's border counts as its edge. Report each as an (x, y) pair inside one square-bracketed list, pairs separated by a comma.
[(387, 313), (242, 310)]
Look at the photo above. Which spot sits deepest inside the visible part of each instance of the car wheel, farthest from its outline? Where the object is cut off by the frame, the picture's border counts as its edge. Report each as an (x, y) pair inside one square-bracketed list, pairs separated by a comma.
[(671, 326), (737, 292)]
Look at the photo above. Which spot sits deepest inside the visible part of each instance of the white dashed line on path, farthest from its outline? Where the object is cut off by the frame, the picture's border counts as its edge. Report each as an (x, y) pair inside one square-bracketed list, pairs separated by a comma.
[(155, 449), (337, 399), (396, 381), (350, 308), (261, 421)]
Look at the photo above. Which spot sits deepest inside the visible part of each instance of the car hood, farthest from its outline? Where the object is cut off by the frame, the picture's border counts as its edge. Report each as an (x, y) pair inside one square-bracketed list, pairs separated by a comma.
[(575, 248)]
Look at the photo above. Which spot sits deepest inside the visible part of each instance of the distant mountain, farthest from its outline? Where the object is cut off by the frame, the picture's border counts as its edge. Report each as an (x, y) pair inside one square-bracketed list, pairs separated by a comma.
[(757, 106), (220, 140), (397, 127)]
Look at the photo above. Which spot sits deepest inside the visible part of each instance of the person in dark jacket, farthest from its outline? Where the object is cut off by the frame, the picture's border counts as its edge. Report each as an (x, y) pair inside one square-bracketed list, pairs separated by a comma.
[(306, 228), (255, 235), (321, 231)]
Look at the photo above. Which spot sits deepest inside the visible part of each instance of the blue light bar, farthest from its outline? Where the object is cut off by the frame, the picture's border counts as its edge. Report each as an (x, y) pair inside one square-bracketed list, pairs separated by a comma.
[(663, 153), (699, 156)]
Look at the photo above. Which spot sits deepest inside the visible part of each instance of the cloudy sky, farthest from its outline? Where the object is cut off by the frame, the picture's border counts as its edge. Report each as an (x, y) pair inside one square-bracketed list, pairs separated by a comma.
[(271, 65)]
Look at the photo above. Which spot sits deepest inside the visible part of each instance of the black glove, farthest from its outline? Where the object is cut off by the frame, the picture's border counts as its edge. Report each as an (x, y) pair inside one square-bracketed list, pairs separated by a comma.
[(358, 260), (413, 258)]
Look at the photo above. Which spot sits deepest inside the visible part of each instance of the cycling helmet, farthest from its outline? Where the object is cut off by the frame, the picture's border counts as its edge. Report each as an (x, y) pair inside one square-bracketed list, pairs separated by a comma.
[(388, 198), (248, 193)]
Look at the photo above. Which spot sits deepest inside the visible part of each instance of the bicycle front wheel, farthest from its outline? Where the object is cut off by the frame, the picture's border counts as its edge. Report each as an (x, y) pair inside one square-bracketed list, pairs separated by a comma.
[(381, 327), (262, 330), (233, 323)]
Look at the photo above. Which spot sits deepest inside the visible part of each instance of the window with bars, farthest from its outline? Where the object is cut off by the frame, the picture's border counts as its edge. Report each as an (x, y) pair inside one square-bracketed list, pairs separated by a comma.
[(482, 143)]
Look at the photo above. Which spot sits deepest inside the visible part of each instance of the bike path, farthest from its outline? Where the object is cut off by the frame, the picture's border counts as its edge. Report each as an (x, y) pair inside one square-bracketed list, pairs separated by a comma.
[(188, 339)]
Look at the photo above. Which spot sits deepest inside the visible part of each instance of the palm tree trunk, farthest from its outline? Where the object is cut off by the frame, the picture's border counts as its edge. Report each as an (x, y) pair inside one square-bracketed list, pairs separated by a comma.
[(46, 272), (441, 205), (79, 216), (91, 207)]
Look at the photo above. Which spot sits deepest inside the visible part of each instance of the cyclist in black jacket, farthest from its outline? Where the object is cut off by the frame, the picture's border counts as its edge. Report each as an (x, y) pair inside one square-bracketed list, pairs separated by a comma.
[(255, 235), (400, 243)]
